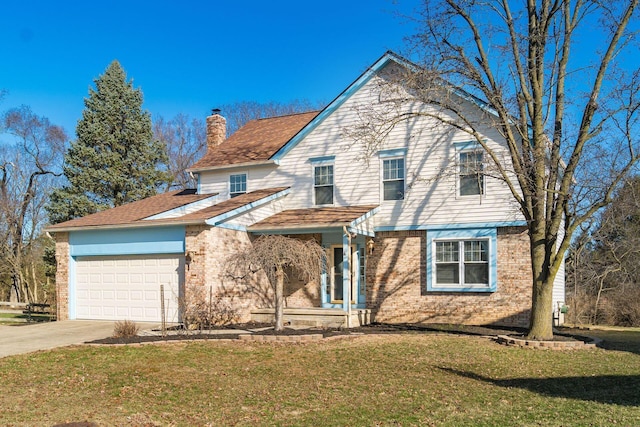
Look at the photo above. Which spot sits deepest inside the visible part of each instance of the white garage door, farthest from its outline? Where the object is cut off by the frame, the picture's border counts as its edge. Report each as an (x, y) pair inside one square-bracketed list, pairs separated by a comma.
[(128, 287)]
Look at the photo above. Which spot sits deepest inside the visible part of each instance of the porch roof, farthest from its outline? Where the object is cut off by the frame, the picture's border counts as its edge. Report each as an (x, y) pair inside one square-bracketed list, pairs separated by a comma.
[(313, 218)]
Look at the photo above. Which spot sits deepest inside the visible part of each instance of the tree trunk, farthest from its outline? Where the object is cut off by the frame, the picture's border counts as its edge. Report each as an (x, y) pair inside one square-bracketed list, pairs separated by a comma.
[(34, 281), (14, 294), (279, 298), (541, 322), (596, 304)]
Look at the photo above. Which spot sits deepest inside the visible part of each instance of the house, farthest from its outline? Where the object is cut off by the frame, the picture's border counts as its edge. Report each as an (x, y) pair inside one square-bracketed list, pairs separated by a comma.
[(413, 233)]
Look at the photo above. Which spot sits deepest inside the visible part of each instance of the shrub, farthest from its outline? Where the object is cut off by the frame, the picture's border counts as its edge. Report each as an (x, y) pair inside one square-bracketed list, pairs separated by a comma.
[(125, 329), (202, 311)]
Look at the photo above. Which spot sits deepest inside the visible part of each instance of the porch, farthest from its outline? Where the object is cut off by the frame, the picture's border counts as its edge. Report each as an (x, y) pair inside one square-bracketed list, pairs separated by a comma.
[(316, 316), (346, 234)]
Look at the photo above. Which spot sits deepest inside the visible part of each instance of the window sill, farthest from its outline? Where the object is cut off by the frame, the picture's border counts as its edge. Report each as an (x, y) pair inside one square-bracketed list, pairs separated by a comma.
[(452, 289)]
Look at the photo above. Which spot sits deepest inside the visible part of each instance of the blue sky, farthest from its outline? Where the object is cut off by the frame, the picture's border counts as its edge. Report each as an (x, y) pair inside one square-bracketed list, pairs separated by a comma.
[(191, 56)]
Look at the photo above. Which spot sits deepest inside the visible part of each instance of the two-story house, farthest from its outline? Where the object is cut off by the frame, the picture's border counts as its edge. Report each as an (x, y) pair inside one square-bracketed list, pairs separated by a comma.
[(415, 230)]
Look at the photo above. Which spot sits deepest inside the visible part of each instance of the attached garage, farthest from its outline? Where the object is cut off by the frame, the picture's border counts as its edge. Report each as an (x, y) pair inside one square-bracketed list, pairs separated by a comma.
[(117, 274), (128, 287)]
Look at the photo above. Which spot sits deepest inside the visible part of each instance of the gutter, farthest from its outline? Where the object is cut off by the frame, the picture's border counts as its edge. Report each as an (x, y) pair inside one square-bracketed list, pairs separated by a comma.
[(305, 227), (138, 224)]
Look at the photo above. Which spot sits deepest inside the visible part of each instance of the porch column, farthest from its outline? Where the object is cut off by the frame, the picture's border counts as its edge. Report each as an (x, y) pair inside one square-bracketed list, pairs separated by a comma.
[(356, 274), (346, 271)]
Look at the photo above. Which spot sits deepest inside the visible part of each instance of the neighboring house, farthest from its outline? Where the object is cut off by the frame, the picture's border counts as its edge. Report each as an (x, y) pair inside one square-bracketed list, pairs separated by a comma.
[(402, 245)]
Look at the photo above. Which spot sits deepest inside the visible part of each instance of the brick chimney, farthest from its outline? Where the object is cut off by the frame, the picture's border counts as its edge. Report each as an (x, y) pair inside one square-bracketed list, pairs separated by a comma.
[(216, 129)]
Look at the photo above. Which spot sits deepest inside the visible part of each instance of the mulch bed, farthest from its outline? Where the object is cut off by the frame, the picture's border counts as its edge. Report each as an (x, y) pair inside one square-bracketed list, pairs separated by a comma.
[(374, 328)]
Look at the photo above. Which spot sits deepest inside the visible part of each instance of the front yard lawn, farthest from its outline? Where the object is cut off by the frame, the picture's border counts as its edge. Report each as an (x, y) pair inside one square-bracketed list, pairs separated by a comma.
[(371, 380)]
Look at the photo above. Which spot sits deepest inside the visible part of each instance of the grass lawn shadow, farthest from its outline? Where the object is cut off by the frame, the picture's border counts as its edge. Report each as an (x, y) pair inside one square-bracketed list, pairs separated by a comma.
[(607, 389)]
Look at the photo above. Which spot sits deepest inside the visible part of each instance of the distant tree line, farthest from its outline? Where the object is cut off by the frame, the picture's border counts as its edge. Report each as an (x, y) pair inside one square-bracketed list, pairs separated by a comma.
[(603, 267)]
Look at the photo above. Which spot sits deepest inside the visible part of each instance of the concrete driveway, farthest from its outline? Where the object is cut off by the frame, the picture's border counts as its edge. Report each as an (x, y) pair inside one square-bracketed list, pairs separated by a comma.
[(45, 336)]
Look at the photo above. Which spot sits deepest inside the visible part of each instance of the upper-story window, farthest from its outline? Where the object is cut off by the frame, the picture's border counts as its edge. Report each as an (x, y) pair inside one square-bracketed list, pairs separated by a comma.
[(393, 178), (237, 184), (323, 181), (471, 173), (323, 184)]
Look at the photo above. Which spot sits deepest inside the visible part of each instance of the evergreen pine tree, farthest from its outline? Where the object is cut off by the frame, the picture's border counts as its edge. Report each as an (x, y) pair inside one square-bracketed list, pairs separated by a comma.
[(114, 159)]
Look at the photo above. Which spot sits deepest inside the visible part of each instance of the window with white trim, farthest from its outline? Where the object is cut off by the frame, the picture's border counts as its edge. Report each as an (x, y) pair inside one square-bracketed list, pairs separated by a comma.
[(393, 178), (463, 263), (462, 260), (323, 184), (471, 173), (237, 184)]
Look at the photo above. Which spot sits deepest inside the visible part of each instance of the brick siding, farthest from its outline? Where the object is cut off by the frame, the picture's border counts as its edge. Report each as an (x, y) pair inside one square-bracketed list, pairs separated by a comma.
[(396, 276), (62, 275), (209, 248), (396, 279)]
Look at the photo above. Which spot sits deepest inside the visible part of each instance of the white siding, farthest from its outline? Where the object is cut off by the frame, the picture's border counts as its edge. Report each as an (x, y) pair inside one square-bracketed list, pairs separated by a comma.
[(431, 176), (218, 182), (559, 288), (559, 282)]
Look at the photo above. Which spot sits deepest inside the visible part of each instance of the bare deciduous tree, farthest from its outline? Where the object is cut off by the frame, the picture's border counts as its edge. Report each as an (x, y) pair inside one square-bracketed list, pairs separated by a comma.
[(605, 263), (30, 163), (275, 255), (569, 122), (186, 142)]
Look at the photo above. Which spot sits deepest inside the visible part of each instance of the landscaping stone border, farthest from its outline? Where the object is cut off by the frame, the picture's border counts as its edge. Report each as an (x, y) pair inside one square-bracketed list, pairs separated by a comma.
[(281, 338), (262, 333), (547, 345)]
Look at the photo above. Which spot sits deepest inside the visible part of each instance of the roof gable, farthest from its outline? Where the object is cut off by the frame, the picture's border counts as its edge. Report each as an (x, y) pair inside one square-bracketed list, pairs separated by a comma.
[(354, 87), (270, 139)]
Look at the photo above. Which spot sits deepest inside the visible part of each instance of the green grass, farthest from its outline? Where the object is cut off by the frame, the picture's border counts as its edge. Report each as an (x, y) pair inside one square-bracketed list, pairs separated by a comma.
[(386, 380)]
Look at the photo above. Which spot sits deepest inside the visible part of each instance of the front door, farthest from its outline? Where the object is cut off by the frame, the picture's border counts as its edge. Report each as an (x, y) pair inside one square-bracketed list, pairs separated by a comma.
[(337, 276), (336, 282)]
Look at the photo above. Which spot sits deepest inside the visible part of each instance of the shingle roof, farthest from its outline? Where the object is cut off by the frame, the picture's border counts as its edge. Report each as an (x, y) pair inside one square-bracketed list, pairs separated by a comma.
[(258, 140), (307, 218), (231, 204), (135, 213)]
